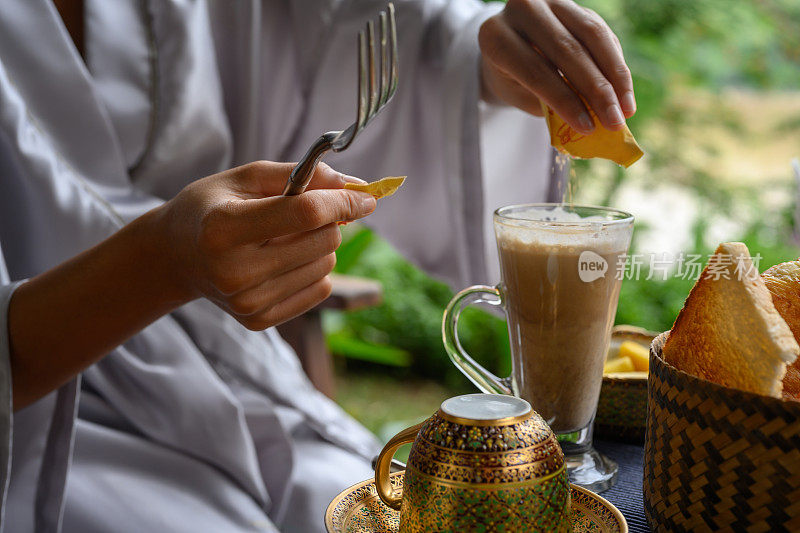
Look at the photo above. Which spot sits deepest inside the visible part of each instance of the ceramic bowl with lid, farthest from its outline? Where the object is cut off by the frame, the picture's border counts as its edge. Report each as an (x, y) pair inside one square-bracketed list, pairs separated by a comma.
[(481, 460)]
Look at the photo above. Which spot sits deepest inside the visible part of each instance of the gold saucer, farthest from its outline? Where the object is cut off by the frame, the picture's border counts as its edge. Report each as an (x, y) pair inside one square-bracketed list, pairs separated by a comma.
[(359, 510)]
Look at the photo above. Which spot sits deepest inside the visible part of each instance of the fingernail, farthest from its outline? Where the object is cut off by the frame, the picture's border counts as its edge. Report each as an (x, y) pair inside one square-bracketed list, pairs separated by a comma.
[(353, 179), (368, 204), (628, 103), (615, 115), (586, 122)]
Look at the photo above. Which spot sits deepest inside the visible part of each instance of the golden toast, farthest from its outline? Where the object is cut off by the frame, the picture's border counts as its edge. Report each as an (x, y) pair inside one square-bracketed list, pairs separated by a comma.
[(783, 282), (729, 331)]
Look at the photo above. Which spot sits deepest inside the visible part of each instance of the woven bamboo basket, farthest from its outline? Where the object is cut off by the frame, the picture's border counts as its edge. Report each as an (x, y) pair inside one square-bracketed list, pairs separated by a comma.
[(622, 407), (716, 458)]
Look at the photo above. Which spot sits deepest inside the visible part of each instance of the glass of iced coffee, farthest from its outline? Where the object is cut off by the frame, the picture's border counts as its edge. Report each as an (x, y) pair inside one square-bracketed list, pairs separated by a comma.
[(561, 268)]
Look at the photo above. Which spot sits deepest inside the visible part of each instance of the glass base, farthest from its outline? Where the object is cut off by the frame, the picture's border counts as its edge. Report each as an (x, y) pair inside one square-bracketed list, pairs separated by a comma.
[(591, 470), (587, 467)]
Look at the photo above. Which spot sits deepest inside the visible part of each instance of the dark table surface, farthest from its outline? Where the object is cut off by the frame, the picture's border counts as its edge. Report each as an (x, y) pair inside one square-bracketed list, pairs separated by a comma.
[(626, 495)]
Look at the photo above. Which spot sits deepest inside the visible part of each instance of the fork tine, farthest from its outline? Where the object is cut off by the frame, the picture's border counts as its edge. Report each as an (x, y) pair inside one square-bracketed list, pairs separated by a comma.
[(394, 53), (371, 97), (373, 93), (373, 75), (384, 59), (344, 138), (363, 84)]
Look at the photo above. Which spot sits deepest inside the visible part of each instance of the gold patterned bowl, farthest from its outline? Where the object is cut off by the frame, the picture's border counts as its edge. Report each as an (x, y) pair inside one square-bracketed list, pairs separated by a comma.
[(358, 509), (481, 461)]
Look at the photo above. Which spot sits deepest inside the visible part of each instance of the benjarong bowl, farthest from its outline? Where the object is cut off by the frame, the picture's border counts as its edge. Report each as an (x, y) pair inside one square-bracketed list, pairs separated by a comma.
[(482, 462)]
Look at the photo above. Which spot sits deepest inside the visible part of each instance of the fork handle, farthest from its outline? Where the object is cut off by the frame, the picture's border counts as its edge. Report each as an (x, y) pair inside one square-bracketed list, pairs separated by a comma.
[(302, 172)]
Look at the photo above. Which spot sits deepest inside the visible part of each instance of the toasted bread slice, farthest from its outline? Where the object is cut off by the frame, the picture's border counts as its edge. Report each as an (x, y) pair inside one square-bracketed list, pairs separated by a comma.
[(783, 282), (729, 331)]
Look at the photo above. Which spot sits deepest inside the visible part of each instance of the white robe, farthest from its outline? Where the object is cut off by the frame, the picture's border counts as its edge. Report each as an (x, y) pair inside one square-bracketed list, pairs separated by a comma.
[(196, 424)]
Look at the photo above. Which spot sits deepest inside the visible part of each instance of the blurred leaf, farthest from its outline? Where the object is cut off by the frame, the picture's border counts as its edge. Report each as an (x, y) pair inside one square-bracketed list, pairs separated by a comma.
[(353, 348), (411, 314), (355, 240)]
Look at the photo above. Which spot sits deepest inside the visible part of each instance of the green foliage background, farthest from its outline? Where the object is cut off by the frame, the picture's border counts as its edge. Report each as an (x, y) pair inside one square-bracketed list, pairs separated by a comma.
[(709, 44)]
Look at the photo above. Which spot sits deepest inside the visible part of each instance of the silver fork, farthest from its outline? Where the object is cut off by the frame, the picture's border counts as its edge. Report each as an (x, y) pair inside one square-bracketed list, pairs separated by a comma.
[(374, 91)]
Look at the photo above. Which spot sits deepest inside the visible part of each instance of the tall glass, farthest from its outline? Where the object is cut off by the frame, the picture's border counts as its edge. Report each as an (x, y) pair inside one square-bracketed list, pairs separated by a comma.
[(561, 271)]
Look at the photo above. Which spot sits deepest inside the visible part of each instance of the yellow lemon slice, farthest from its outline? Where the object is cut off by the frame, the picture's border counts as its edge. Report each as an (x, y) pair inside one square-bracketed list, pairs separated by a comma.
[(621, 364), (618, 146), (638, 354), (379, 189)]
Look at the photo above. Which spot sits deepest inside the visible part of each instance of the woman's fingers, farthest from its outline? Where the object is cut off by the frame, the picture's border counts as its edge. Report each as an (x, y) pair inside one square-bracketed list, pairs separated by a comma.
[(227, 244), (506, 89), (273, 217), (261, 258), (297, 249), (540, 26), (240, 269), (598, 39), (261, 298), (299, 302), (510, 53), (327, 178), (261, 179), (256, 221), (248, 208), (539, 43)]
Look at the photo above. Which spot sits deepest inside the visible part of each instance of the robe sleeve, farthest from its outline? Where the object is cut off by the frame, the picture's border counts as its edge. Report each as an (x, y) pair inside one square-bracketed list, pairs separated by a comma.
[(31, 482), (463, 159), (36, 441)]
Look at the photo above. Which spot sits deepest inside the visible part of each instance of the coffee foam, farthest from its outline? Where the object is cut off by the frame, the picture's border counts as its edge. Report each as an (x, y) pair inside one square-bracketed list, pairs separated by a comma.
[(558, 214), (568, 230)]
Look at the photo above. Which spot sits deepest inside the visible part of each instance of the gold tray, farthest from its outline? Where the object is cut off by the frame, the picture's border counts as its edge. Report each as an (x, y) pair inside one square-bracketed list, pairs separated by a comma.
[(358, 509)]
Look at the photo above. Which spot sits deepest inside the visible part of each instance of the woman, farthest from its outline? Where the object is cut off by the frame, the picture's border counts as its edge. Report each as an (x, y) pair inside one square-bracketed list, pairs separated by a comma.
[(109, 114)]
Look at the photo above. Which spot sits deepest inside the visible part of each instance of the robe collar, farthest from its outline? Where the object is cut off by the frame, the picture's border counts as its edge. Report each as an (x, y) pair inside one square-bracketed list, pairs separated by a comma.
[(82, 131)]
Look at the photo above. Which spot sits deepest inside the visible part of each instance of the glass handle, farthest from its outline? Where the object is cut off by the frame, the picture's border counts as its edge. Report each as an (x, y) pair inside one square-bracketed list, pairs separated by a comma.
[(482, 378)]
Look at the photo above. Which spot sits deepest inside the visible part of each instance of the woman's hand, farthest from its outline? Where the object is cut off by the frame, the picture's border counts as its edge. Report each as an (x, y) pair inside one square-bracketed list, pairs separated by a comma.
[(529, 45), (262, 257)]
